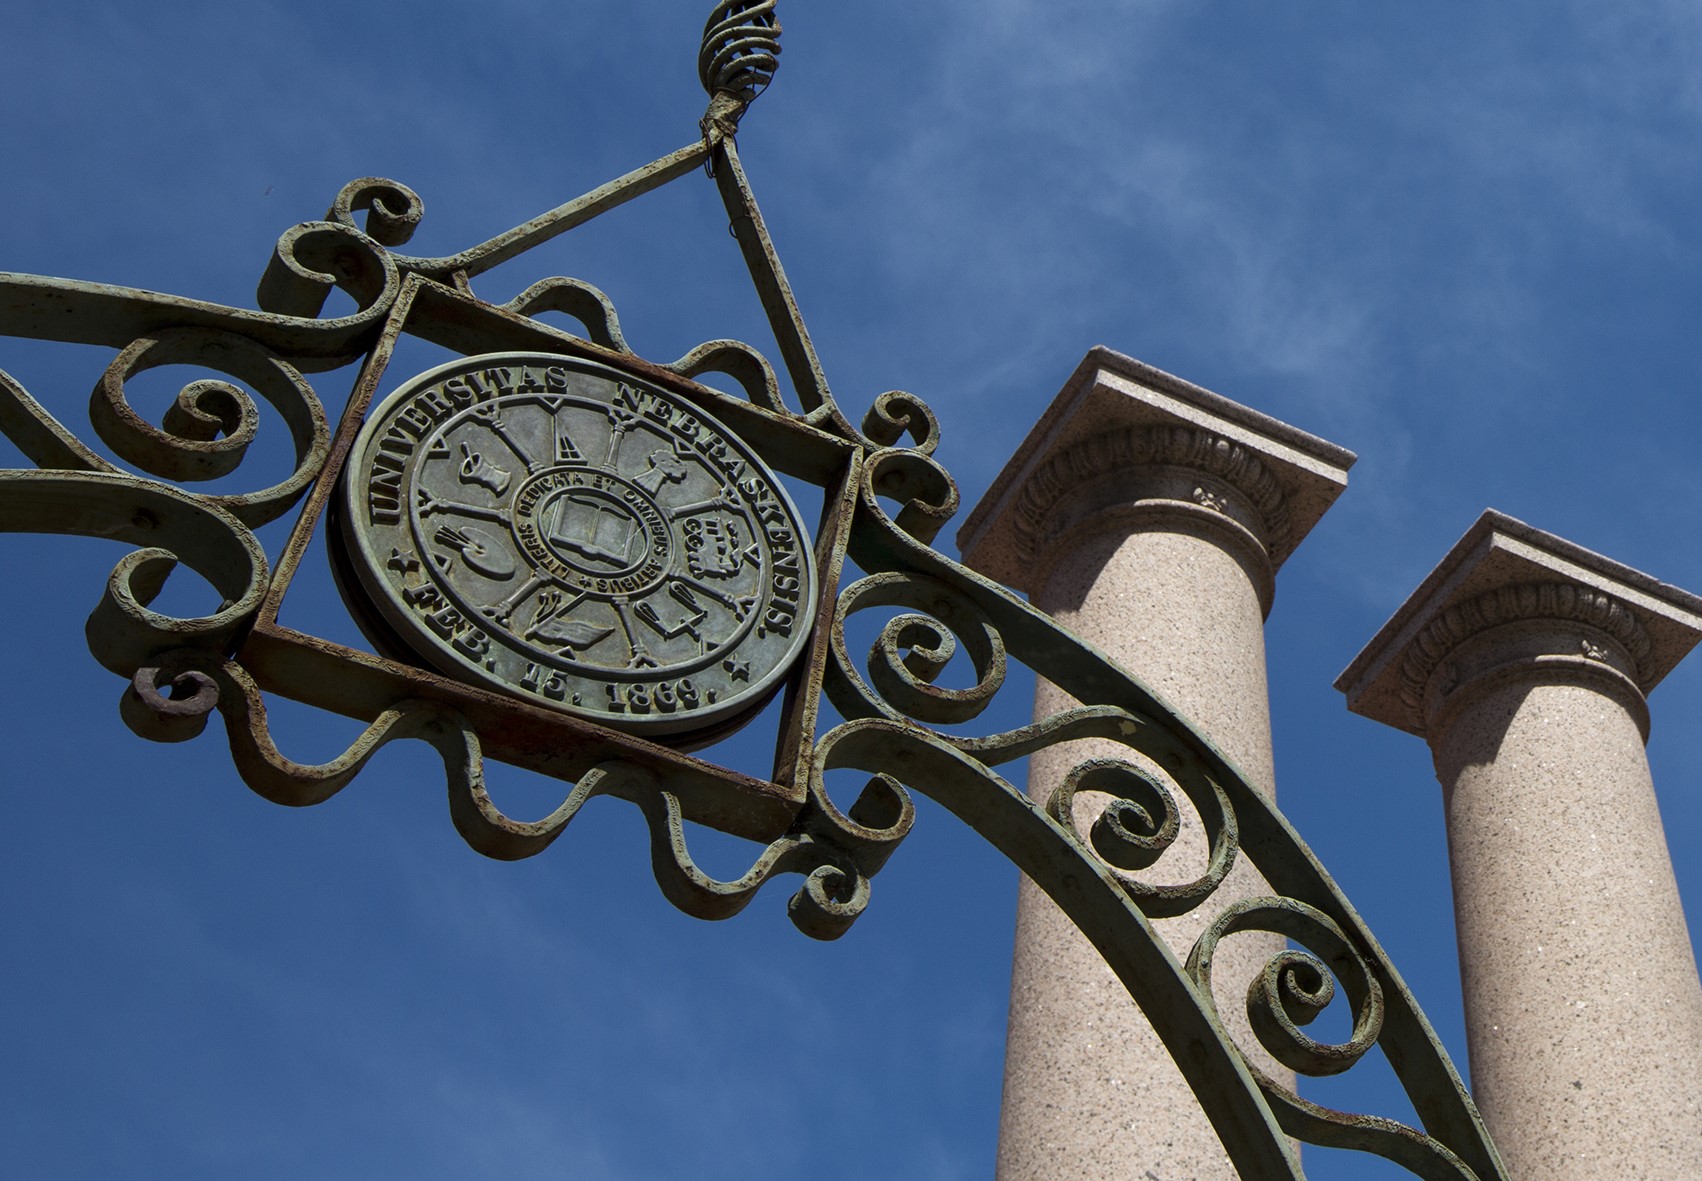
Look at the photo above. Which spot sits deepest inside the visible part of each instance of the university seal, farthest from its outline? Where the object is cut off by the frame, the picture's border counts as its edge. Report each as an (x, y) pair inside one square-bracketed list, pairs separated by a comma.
[(554, 528)]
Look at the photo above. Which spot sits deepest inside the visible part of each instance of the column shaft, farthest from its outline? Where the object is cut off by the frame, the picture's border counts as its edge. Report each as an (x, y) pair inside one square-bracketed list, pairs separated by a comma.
[(1583, 1008), (1525, 661), (1089, 1088), (1149, 516)]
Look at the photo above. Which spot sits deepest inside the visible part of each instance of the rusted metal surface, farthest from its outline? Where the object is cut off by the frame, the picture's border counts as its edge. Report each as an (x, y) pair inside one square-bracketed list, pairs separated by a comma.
[(741, 48), (884, 498)]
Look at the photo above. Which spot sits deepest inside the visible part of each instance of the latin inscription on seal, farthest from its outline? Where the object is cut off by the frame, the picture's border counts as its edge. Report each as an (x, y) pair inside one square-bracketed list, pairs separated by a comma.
[(556, 528)]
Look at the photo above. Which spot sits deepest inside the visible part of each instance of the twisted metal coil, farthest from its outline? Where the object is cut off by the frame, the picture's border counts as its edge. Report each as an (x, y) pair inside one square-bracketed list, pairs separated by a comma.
[(741, 48)]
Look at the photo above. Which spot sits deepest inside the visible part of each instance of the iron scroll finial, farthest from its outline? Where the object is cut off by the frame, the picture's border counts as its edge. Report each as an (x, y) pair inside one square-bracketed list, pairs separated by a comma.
[(741, 49)]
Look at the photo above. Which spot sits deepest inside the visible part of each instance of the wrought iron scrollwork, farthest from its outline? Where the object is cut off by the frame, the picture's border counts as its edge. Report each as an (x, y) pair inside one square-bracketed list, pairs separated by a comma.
[(169, 526), (1139, 824), (1294, 987), (887, 498), (208, 429), (944, 606)]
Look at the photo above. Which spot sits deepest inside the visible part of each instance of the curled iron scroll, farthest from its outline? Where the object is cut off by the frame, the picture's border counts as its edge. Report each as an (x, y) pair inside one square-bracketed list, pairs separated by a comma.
[(1139, 825), (307, 262), (1294, 987), (169, 526), (207, 430), (911, 651), (393, 210)]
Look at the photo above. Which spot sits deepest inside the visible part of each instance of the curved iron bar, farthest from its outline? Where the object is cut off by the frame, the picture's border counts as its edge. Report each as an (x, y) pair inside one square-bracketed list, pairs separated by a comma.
[(1140, 823), (740, 362), (308, 261), (169, 526), (596, 312), (171, 698), (907, 572), (1053, 856), (206, 431), (578, 299), (896, 414)]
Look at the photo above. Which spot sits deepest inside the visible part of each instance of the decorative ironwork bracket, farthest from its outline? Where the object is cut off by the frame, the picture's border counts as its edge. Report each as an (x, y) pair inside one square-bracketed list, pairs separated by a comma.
[(884, 499)]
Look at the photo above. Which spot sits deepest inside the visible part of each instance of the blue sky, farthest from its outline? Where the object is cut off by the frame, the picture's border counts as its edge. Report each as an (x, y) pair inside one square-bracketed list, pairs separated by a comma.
[(1458, 239)]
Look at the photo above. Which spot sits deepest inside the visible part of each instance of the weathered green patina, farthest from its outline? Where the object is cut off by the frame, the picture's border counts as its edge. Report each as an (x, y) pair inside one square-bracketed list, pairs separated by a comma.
[(884, 500)]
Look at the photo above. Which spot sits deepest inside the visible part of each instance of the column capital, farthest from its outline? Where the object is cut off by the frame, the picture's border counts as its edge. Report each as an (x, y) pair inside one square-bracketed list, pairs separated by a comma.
[(1125, 442), (1510, 600)]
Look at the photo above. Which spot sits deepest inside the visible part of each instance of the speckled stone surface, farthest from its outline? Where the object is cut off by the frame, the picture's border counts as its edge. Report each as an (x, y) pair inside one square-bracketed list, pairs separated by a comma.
[(1143, 514), (1523, 661)]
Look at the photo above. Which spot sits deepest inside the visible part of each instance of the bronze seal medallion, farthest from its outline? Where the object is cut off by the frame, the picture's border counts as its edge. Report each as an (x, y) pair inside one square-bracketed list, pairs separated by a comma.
[(561, 530)]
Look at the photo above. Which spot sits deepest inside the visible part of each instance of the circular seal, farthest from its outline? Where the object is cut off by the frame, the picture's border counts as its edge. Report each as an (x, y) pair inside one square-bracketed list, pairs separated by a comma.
[(561, 530)]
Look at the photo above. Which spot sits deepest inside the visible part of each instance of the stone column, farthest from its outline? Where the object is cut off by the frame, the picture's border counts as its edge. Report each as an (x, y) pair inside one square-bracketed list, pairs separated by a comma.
[(1523, 661), (1148, 516)]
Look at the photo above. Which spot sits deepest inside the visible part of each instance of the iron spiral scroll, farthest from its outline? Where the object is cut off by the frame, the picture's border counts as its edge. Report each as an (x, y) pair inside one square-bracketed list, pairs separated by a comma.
[(884, 714)]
